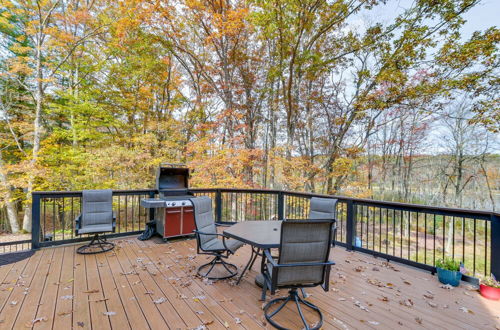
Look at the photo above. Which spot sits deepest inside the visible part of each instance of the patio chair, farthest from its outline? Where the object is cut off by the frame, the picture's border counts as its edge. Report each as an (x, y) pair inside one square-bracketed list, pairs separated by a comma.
[(302, 262), (97, 217), (324, 209), (212, 243)]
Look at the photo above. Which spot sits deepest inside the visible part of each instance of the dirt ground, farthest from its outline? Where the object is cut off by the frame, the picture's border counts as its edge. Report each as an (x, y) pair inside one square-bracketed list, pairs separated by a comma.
[(14, 237)]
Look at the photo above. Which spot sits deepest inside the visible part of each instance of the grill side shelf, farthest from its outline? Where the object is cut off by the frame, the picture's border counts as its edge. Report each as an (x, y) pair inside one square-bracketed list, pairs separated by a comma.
[(150, 203)]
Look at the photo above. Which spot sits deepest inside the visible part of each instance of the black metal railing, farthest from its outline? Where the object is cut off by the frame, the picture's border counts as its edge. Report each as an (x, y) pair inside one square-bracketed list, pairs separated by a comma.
[(413, 234)]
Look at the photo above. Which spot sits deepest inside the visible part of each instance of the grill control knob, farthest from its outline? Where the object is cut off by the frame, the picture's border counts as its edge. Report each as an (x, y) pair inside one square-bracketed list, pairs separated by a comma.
[(183, 203), (173, 203)]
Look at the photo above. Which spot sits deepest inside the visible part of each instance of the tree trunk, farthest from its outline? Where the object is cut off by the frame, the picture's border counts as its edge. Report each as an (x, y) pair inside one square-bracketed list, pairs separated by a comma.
[(11, 208), (36, 138)]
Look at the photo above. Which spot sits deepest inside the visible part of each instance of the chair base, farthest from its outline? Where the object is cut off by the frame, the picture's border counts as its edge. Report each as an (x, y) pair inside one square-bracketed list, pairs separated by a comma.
[(230, 268), (292, 296), (98, 244)]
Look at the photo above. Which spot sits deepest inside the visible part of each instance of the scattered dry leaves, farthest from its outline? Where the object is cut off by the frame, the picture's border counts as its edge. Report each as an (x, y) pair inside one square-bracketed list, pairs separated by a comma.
[(408, 302)]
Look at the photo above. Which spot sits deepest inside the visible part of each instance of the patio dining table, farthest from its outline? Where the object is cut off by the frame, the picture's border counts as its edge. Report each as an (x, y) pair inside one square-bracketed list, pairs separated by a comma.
[(260, 235)]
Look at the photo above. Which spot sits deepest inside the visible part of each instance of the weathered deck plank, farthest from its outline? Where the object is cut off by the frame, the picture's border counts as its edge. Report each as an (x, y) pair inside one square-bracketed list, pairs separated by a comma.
[(127, 280)]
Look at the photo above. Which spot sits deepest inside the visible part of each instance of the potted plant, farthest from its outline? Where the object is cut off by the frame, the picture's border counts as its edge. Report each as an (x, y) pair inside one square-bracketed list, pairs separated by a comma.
[(448, 271), (490, 287)]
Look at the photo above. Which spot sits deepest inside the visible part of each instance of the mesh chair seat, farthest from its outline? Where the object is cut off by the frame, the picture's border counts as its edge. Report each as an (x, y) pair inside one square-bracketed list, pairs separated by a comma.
[(93, 229), (217, 245)]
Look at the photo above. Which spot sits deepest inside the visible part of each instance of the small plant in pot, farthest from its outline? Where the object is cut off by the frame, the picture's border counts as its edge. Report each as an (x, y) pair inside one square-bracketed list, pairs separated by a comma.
[(448, 271), (490, 287)]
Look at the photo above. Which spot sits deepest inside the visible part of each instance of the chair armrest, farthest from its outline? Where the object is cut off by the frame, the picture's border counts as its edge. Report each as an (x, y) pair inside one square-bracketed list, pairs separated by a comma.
[(78, 222), (270, 258), (204, 233)]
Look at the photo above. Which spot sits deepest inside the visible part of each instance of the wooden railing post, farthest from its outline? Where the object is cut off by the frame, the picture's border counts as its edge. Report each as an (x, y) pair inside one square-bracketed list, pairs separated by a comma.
[(35, 221), (218, 205), (281, 206), (495, 246), (350, 224)]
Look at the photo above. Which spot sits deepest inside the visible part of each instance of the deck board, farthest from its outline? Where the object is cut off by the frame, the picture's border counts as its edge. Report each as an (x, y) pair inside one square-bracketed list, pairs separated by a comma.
[(128, 279), (63, 312)]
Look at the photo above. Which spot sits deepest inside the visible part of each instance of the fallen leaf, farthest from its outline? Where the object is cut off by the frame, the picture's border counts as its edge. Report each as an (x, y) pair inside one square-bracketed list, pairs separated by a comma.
[(208, 322), (358, 304), (407, 282), (471, 288), (160, 300), (31, 323), (80, 324), (428, 296), (237, 320), (418, 320), (384, 299), (466, 310), (226, 324), (64, 313), (109, 313), (13, 302), (92, 291), (432, 304), (446, 286)]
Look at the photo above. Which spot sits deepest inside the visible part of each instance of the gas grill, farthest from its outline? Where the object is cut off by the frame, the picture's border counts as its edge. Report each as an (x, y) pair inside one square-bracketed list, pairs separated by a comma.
[(173, 208)]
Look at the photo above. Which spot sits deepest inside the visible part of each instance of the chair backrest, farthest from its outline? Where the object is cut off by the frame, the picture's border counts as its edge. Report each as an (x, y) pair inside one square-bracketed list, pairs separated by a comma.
[(97, 207), (204, 220), (304, 242), (323, 208)]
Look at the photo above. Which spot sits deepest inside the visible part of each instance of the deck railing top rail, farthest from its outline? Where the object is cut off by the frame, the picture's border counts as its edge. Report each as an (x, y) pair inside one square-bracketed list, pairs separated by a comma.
[(364, 201)]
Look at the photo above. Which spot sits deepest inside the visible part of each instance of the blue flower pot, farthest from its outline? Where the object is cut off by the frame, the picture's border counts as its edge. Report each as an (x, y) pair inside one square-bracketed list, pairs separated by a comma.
[(451, 277)]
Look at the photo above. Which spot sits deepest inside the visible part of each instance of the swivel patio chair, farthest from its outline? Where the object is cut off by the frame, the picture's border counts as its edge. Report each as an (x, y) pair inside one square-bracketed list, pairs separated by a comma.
[(212, 243), (97, 217), (302, 262), (324, 209)]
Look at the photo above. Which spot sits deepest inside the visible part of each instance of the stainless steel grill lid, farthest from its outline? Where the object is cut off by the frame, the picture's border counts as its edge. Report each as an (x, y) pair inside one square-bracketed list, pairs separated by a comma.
[(172, 179)]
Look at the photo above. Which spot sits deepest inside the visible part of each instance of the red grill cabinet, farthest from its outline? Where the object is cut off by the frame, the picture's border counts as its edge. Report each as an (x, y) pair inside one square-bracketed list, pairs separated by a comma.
[(175, 221)]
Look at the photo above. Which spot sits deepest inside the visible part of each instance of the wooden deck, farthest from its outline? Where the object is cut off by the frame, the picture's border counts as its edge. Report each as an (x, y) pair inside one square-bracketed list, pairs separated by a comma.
[(144, 285)]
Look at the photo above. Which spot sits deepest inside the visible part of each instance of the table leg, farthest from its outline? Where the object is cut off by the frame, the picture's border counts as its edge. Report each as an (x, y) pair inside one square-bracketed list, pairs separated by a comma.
[(253, 256)]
